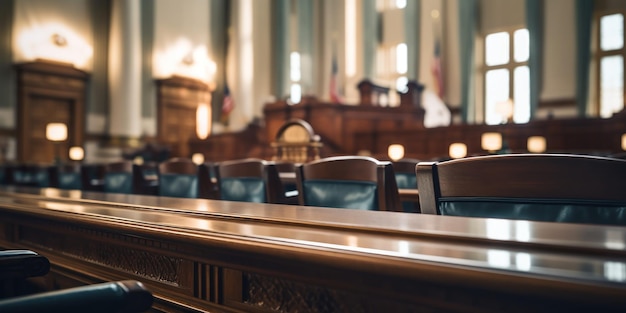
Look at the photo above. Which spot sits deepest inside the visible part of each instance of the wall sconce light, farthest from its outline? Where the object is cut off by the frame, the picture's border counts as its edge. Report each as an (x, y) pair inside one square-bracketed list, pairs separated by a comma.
[(76, 153), (59, 40), (203, 121), (138, 160), (55, 42), (536, 144), (624, 142), (188, 59), (395, 152), (197, 158), (457, 150), (491, 142), (56, 132)]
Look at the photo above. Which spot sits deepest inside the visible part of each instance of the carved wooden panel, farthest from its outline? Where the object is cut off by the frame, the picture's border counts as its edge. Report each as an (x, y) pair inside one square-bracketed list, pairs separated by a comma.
[(577, 135), (49, 93), (336, 124)]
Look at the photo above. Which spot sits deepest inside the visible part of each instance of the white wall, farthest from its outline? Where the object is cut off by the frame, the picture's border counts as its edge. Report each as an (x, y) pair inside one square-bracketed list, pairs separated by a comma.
[(559, 63), (497, 14), (180, 28), (35, 21)]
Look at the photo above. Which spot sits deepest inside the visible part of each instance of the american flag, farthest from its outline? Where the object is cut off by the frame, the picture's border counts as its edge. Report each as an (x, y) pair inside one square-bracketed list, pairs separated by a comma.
[(436, 70), (228, 104), (334, 94)]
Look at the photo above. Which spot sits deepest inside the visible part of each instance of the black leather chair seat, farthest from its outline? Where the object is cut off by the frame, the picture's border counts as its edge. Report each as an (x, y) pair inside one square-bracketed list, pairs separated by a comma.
[(545, 210)]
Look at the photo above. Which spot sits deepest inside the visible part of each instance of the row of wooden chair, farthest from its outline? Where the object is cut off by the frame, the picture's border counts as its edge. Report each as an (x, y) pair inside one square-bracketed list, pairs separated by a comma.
[(342, 182), (540, 187)]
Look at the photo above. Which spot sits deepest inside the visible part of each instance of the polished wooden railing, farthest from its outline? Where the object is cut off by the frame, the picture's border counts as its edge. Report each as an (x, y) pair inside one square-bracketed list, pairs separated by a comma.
[(205, 255)]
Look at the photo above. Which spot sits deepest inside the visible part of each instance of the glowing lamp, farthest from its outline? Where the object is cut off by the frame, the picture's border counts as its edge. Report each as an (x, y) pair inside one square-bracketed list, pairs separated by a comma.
[(197, 158), (395, 152), (56, 42), (138, 160), (56, 132), (491, 141), (203, 121), (624, 142), (457, 150), (536, 144), (76, 153)]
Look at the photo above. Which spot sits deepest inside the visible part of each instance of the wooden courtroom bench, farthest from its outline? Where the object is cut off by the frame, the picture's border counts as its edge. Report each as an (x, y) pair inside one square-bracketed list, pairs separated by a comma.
[(199, 255)]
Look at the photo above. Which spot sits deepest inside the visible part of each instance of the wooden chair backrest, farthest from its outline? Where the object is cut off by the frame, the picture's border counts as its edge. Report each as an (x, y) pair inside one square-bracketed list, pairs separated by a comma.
[(536, 176), (252, 168), (352, 168), (120, 177), (92, 177), (119, 167), (178, 177), (182, 166), (208, 187)]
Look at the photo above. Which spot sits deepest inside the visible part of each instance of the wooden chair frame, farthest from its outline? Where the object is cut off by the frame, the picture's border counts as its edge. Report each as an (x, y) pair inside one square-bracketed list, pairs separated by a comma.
[(252, 167), (180, 166), (352, 168), (543, 176)]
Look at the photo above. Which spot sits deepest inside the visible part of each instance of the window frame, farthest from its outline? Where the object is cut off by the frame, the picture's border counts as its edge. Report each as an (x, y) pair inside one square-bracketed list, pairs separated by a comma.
[(598, 54), (510, 66)]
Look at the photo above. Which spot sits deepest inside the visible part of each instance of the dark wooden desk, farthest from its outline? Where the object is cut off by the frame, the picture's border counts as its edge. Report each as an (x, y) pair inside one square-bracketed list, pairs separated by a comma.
[(207, 255)]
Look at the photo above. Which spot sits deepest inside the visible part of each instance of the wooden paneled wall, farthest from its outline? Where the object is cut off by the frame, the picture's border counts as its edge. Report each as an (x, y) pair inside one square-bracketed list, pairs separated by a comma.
[(350, 129), (336, 124), (577, 135), (249, 143)]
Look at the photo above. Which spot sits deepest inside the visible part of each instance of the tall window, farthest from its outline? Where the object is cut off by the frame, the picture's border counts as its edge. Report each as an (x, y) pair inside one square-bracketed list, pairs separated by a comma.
[(507, 78), (610, 58), (295, 74)]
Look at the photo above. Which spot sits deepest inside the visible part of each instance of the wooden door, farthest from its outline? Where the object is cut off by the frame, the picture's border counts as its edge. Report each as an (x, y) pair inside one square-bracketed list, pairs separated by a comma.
[(49, 93), (177, 100)]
